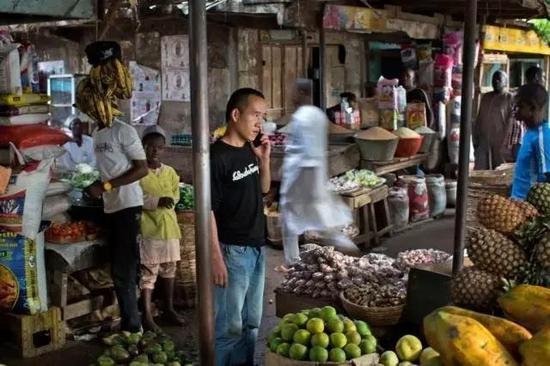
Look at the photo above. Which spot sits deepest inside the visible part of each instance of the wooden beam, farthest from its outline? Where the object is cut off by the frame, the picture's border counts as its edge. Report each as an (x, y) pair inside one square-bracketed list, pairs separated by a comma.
[(62, 9)]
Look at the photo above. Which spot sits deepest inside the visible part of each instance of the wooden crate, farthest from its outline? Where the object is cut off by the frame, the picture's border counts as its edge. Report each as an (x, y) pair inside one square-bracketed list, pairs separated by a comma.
[(37, 334)]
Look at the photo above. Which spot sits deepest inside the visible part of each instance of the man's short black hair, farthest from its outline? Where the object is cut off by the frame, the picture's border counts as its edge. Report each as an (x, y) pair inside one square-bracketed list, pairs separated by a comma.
[(349, 96), (535, 94), (533, 73), (239, 100), (151, 136)]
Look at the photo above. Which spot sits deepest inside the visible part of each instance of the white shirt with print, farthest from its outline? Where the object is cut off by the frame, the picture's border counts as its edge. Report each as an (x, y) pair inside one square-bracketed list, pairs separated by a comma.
[(115, 148)]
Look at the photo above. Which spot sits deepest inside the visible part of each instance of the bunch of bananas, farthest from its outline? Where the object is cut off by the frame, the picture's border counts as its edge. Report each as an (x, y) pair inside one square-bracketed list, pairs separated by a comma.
[(96, 94)]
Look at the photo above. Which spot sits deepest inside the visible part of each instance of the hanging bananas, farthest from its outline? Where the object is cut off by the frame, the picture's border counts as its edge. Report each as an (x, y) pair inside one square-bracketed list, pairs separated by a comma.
[(96, 95)]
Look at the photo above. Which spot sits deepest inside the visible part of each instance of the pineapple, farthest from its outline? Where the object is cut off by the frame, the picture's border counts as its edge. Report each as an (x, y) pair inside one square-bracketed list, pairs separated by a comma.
[(528, 209), (542, 252), (475, 289), (539, 196), (499, 213), (493, 252)]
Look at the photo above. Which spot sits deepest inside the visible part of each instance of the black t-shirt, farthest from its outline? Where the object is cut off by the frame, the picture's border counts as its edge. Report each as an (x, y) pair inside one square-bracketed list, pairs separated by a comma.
[(237, 195)]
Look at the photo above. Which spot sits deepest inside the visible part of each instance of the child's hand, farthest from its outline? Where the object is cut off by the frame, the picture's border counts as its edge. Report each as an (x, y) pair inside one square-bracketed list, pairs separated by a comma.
[(165, 202)]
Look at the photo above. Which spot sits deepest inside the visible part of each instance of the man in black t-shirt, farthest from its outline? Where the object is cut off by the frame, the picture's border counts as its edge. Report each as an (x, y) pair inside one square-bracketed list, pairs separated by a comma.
[(240, 174)]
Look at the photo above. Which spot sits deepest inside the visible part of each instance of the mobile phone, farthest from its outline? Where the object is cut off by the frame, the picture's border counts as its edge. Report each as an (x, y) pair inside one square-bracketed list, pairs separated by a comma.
[(258, 140)]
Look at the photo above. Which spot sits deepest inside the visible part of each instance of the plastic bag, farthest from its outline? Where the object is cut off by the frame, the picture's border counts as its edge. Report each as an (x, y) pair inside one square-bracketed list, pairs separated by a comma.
[(453, 143), (452, 43), (443, 69), (55, 205), (386, 93), (424, 53), (388, 119), (416, 115), (31, 136), (21, 206), (408, 56), (398, 201), (24, 119), (369, 112), (418, 200), (22, 274), (426, 75)]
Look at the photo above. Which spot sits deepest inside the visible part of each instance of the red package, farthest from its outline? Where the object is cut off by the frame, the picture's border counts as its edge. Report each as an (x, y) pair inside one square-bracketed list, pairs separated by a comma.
[(31, 135)]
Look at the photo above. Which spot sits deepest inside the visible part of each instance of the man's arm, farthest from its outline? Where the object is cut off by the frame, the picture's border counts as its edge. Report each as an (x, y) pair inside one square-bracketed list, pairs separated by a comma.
[(219, 271), (135, 173)]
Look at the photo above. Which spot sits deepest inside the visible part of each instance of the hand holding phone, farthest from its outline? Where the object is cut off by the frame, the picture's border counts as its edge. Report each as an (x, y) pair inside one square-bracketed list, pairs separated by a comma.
[(258, 140)]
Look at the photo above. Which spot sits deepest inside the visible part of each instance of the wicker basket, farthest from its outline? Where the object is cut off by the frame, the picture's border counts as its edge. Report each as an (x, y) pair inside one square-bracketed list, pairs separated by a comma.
[(375, 316), (186, 273)]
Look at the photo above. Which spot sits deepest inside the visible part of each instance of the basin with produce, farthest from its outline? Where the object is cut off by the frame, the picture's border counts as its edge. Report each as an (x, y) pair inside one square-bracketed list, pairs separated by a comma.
[(409, 142), (376, 144)]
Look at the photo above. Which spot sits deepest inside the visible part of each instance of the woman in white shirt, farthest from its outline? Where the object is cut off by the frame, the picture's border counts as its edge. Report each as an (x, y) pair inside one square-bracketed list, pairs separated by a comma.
[(80, 150)]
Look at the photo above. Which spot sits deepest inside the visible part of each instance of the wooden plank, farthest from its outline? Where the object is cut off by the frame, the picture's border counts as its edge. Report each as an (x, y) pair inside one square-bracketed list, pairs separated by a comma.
[(381, 168), (83, 307), (290, 74), (300, 63), (266, 75), (276, 71)]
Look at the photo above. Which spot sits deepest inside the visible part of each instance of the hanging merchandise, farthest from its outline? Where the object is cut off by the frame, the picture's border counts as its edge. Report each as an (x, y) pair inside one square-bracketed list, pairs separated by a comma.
[(389, 119), (28, 64), (443, 69), (408, 56), (437, 195), (386, 93), (453, 143), (369, 112), (401, 106), (456, 105), (10, 70), (416, 115), (426, 75), (398, 200), (456, 79), (424, 53), (442, 94), (452, 43), (442, 120)]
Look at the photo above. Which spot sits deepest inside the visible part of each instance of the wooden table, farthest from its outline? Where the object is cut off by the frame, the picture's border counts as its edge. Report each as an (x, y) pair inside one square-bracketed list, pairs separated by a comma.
[(385, 167), (64, 259), (341, 158), (363, 203)]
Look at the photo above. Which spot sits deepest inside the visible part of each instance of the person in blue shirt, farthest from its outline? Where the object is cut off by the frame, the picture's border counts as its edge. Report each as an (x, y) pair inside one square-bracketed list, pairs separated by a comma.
[(533, 161)]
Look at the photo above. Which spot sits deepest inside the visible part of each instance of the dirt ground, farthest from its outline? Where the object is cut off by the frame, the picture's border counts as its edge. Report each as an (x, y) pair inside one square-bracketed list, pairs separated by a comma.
[(437, 234)]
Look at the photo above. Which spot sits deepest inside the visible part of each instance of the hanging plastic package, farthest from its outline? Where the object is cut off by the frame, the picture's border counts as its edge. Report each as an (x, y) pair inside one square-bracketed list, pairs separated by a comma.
[(443, 69), (453, 143), (408, 56)]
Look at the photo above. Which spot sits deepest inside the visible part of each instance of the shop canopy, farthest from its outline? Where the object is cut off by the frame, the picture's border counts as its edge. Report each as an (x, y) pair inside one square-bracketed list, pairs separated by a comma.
[(31, 11)]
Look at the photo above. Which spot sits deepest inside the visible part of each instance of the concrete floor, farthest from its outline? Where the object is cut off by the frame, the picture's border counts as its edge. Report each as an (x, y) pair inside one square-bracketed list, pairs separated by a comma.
[(435, 234)]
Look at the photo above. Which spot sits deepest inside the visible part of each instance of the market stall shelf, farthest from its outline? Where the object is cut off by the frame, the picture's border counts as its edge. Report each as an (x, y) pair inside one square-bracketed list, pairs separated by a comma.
[(341, 158), (186, 272), (64, 259), (385, 167)]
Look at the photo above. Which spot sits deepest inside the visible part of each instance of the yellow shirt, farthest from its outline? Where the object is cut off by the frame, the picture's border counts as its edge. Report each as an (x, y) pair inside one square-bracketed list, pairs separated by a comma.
[(160, 223)]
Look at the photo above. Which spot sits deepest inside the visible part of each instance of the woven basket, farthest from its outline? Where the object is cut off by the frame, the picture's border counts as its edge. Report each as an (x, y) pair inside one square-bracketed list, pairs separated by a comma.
[(492, 177), (378, 317), (186, 273), (476, 192)]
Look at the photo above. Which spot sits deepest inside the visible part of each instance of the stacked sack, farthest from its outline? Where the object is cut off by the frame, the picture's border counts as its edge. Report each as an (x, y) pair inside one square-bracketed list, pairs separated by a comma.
[(28, 145)]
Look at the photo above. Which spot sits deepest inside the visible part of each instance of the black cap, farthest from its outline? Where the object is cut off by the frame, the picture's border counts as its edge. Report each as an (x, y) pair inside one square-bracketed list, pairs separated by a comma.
[(100, 52)]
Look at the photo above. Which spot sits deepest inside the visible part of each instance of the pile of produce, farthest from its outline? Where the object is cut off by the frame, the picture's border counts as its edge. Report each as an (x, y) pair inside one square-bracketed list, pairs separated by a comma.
[(467, 338), (72, 232), (82, 177), (187, 198), (324, 272), (512, 245), (411, 258), (407, 350), (342, 184), (136, 349), (321, 335), (365, 178)]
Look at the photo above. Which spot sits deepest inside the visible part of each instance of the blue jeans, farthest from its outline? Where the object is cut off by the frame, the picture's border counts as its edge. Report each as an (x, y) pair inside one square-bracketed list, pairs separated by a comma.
[(239, 305)]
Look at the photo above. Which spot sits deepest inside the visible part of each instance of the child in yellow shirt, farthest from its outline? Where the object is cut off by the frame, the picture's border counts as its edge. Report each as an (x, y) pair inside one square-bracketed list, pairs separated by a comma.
[(160, 248)]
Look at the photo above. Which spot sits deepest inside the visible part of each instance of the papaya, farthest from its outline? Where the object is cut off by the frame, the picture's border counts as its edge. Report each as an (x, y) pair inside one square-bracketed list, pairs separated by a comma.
[(510, 334), (527, 305), (536, 351), (464, 341)]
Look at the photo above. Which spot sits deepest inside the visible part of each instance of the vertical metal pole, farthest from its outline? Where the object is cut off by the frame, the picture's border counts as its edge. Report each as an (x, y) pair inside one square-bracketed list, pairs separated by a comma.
[(465, 131), (304, 54), (201, 174), (322, 64)]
